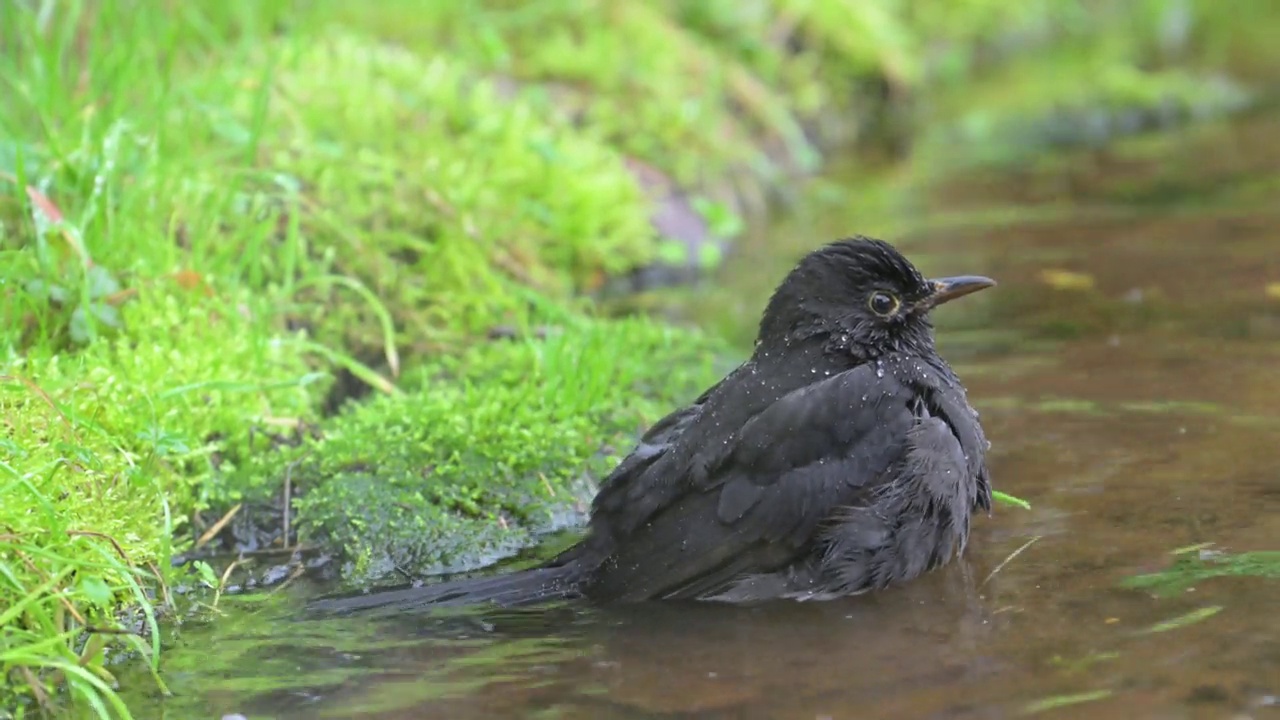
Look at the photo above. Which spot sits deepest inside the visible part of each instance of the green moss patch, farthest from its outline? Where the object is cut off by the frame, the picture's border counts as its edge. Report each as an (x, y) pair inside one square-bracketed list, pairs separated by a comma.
[(102, 452), (443, 194), (488, 447)]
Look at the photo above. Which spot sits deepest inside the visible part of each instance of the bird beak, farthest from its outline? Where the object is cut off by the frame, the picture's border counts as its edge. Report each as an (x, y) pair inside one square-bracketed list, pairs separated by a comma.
[(947, 289)]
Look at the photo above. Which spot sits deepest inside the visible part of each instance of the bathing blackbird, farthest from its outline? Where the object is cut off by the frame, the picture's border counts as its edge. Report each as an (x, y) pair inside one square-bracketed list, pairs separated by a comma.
[(842, 457)]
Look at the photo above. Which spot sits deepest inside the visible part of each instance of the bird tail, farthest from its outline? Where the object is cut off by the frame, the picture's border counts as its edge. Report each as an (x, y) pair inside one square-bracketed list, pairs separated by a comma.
[(523, 587)]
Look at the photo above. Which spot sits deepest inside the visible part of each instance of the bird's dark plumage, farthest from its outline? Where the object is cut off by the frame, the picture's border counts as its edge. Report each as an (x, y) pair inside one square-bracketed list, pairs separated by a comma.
[(843, 456)]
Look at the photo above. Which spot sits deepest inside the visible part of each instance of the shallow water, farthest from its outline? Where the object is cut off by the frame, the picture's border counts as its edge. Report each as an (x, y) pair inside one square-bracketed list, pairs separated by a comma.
[(1127, 370)]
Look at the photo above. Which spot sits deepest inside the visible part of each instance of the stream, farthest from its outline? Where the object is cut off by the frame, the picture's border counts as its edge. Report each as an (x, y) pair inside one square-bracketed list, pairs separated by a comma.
[(1127, 370)]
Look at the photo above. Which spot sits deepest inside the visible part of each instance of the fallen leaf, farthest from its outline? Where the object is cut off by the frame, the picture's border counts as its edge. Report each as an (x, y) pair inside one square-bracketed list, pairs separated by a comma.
[(1272, 291), (44, 204), (1066, 279), (119, 298), (53, 215), (1182, 621), (1061, 701), (192, 280)]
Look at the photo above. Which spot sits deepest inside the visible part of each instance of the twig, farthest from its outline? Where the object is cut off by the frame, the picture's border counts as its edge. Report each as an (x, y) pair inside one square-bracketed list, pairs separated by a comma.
[(227, 572), (164, 586), (222, 582), (90, 533), (288, 494), (37, 687), (259, 553), (94, 629), (1009, 559), (216, 528)]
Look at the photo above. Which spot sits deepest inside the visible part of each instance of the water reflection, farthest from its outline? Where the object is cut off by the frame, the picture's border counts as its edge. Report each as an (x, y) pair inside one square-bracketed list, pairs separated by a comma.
[(1127, 375), (778, 657)]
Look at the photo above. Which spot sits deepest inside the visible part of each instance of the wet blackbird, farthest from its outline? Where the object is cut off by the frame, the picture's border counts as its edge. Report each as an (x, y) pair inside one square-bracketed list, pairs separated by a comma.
[(842, 457)]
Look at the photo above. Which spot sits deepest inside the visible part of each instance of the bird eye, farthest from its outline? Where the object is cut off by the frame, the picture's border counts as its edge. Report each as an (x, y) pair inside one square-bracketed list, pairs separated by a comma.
[(883, 304)]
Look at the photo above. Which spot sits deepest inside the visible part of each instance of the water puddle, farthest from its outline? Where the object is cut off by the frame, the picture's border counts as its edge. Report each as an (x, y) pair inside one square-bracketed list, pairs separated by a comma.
[(1127, 370)]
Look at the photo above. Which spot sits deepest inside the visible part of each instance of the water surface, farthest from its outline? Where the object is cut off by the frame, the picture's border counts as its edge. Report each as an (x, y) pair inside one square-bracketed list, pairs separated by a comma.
[(1127, 370)]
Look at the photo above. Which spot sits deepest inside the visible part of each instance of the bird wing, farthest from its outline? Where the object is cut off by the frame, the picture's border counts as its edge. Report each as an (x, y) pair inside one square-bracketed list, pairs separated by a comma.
[(753, 504), (654, 443), (946, 400), (631, 474)]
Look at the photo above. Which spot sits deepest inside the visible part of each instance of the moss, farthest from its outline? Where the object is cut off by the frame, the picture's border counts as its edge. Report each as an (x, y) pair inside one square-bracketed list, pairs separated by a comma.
[(630, 73), (145, 407), (487, 448), (101, 454), (441, 195)]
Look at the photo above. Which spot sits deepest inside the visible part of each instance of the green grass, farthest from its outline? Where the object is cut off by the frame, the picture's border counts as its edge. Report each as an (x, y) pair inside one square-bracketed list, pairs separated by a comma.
[(210, 213)]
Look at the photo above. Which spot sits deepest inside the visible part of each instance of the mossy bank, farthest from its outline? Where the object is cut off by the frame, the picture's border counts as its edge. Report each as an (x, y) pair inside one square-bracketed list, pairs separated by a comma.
[(341, 255)]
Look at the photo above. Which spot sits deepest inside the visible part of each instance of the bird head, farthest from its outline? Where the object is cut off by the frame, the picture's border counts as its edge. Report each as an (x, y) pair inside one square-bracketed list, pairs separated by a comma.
[(863, 296)]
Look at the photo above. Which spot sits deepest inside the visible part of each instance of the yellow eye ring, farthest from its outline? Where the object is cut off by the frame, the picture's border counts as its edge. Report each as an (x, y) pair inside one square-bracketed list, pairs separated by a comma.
[(883, 304)]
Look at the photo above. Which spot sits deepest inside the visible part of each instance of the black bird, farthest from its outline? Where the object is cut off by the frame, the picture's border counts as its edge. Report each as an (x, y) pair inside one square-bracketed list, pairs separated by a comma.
[(842, 457)]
